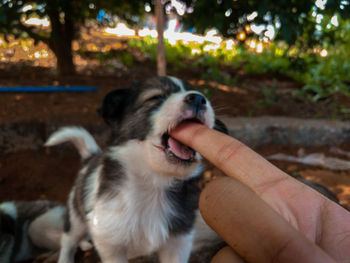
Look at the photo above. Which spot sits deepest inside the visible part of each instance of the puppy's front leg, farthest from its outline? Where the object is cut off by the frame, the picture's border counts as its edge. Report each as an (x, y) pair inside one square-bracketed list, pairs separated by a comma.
[(177, 249), (71, 238), (69, 243)]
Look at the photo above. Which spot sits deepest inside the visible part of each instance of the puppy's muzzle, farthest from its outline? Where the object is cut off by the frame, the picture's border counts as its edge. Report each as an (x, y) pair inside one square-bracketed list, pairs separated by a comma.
[(195, 102)]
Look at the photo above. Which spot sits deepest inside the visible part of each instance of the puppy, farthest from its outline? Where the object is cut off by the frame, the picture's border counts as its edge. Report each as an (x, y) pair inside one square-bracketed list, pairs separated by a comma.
[(139, 196), (28, 229)]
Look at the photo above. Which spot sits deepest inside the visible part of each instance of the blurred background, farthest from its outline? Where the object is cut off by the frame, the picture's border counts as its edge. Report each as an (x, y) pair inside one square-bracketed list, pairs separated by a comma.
[(278, 72), (273, 53)]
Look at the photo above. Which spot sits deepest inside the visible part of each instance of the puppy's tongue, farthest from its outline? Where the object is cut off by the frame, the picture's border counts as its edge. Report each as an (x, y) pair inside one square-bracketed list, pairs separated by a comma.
[(179, 149)]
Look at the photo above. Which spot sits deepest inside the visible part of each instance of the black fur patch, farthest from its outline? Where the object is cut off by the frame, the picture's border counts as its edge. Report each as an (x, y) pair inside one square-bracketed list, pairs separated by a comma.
[(78, 200), (8, 234), (183, 197), (80, 186), (220, 126), (11, 228), (66, 222), (7, 224), (111, 176), (113, 105)]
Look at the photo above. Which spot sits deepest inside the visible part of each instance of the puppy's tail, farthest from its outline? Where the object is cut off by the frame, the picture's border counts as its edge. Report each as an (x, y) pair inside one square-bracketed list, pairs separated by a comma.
[(80, 137)]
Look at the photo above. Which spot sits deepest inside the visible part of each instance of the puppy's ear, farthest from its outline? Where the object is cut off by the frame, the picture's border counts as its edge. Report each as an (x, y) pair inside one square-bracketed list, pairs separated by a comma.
[(220, 126), (113, 105)]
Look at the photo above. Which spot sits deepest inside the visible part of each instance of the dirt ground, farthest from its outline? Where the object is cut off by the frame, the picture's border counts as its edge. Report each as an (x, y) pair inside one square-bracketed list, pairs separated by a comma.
[(49, 174), (81, 107)]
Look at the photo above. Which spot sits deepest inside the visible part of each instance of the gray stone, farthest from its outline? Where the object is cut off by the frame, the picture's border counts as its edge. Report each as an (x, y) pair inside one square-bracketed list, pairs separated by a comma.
[(293, 131)]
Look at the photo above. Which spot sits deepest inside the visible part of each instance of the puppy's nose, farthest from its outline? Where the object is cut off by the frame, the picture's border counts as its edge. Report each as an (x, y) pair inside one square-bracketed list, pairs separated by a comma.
[(196, 101)]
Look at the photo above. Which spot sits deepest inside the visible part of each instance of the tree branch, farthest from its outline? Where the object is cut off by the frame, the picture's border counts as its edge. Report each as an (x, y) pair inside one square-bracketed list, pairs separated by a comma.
[(161, 59)]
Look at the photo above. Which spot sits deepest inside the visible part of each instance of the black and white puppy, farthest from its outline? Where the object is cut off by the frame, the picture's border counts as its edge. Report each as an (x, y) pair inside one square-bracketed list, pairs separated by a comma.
[(28, 229), (139, 196)]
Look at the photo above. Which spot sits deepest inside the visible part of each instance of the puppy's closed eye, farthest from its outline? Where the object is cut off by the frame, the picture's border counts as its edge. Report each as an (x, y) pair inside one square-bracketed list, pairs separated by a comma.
[(158, 97)]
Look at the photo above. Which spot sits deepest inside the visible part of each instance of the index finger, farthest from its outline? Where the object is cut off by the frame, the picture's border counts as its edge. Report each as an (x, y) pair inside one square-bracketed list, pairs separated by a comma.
[(231, 156)]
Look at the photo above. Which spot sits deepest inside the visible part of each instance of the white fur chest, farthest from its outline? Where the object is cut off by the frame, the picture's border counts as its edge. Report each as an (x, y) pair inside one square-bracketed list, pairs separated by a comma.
[(135, 219)]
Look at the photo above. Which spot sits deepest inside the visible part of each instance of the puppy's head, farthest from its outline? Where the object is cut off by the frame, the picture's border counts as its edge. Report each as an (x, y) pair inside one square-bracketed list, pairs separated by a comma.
[(148, 111)]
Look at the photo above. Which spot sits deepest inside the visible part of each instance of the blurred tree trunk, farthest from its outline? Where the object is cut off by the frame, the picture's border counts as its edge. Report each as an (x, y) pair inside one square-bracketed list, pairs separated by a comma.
[(161, 61), (62, 35)]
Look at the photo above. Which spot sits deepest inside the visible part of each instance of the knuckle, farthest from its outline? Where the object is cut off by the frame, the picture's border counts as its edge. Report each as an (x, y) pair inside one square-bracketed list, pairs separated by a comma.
[(228, 152)]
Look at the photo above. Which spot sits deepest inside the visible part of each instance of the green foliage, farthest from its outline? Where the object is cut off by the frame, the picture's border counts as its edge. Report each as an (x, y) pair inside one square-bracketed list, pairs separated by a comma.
[(321, 76), (213, 73), (325, 75), (292, 16), (270, 96), (126, 59), (105, 57), (147, 46), (175, 55), (271, 61)]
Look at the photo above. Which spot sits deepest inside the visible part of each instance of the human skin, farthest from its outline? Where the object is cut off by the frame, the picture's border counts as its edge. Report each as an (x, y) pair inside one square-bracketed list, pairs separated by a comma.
[(263, 214)]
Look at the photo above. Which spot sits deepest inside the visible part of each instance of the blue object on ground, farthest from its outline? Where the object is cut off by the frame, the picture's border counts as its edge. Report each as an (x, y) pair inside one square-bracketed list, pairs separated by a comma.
[(48, 89)]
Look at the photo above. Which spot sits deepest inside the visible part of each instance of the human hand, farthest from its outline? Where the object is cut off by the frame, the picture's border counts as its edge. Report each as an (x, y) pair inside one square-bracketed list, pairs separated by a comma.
[(261, 212)]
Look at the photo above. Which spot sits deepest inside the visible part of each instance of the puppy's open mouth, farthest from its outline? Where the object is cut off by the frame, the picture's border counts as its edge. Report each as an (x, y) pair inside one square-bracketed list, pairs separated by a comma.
[(177, 151)]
